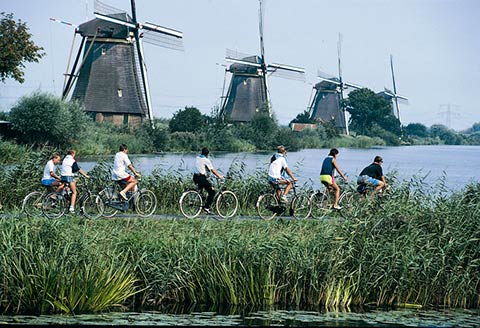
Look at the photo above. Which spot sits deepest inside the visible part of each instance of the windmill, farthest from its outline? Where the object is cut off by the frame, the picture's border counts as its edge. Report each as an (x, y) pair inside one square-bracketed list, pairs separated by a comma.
[(111, 76), (327, 103), (248, 91), (393, 97)]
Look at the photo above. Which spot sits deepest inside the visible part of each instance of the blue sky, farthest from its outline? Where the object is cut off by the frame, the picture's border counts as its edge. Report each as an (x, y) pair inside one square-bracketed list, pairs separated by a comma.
[(434, 44)]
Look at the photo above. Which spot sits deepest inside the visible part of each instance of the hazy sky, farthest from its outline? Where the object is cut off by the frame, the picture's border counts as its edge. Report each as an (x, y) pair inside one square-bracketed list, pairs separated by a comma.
[(434, 43)]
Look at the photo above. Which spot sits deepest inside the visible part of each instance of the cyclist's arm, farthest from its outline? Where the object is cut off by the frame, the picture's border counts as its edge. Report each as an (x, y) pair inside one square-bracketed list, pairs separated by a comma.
[(218, 175), (290, 174), (130, 166), (338, 170)]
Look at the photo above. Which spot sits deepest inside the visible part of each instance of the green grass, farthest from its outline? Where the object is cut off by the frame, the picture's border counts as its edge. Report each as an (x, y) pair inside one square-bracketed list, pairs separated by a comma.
[(416, 247)]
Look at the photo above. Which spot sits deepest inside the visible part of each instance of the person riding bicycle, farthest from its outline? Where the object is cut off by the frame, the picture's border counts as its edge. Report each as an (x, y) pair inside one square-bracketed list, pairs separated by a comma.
[(372, 175), (203, 165), (69, 168), (50, 178), (119, 172), (276, 173), (327, 175)]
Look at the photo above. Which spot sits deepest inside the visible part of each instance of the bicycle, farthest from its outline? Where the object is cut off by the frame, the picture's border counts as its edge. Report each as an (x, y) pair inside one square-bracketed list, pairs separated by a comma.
[(193, 201), (32, 203), (322, 200), (143, 201), (268, 205), (55, 204)]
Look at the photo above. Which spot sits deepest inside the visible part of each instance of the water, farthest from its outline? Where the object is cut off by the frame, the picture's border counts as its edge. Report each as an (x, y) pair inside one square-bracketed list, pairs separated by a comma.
[(459, 165), (282, 318)]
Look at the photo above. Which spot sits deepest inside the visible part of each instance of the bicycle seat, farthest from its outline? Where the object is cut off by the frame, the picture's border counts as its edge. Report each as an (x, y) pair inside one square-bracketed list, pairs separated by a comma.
[(121, 182)]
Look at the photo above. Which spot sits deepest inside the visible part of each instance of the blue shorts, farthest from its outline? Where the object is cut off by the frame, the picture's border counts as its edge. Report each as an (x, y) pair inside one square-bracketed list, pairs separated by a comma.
[(47, 182), (66, 178), (274, 180), (368, 180)]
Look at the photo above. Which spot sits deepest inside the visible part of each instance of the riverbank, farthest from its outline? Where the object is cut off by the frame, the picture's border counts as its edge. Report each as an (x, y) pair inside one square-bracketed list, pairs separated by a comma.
[(416, 249)]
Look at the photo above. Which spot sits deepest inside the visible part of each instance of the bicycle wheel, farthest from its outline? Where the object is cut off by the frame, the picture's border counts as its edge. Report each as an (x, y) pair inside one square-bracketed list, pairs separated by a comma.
[(107, 197), (54, 205), (347, 203), (266, 206), (145, 203), (320, 204), (92, 206), (301, 207), (191, 204), (32, 204), (227, 204)]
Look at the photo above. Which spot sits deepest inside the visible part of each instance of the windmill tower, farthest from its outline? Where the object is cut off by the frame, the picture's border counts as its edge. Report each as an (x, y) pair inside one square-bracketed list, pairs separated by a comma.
[(111, 78), (393, 97), (248, 91), (327, 103)]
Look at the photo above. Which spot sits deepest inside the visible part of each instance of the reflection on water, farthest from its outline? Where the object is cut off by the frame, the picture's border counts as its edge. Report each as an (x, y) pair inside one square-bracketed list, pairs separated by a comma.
[(282, 318)]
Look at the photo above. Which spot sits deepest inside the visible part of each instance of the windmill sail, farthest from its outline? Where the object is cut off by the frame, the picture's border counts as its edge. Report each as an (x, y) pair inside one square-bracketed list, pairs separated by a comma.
[(112, 79), (327, 104), (392, 96), (108, 82), (248, 92)]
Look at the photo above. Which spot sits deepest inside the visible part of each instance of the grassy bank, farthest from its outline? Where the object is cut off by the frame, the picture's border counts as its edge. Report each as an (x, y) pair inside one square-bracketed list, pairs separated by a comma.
[(417, 247)]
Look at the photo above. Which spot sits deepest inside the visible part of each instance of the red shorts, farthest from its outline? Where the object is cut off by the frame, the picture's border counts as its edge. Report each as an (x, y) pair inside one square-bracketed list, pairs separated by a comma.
[(127, 178)]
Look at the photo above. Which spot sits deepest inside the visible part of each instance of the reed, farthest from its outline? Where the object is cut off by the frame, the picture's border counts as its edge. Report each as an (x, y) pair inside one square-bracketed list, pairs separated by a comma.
[(418, 246)]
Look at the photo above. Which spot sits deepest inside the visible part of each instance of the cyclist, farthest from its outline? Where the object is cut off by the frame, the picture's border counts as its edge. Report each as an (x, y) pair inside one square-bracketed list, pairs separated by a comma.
[(69, 168), (203, 165), (276, 173), (373, 175), (119, 172), (327, 174), (50, 178)]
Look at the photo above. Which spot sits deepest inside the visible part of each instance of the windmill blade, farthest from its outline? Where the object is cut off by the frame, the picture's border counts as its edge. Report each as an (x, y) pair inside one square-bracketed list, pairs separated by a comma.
[(287, 68), (162, 29), (329, 80), (162, 40), (401, 97), (236, 55), (244, 62), (105, 9), (63, 22), (114, 20), (286, 71), (352, 85)]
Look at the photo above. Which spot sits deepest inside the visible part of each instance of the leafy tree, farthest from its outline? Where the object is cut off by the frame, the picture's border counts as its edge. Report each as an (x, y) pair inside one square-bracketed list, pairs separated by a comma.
[(17, 48), (303, 118), (449, 137), (416, 129), (187, 120), (44, 118), (367, 108)]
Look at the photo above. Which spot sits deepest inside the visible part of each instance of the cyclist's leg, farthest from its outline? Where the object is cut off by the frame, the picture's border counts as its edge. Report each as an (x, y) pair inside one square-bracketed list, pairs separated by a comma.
[(203, 183)]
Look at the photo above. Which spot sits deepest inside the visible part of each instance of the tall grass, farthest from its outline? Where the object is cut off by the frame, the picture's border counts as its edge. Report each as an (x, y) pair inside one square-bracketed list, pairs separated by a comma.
[(416, 247)]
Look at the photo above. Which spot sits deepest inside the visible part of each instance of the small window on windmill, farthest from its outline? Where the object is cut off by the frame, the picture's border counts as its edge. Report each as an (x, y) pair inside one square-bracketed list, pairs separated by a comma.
[(104, 51), (120, 93)]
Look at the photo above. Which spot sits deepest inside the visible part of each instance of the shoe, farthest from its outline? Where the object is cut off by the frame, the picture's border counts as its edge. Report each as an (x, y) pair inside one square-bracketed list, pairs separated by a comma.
[(283, 199), (337, 207), (207, 210), (123, 195), (71, 210)]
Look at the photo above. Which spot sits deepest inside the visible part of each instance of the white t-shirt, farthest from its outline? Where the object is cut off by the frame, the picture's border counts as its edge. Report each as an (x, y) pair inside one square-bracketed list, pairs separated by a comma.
[(49, 167), (67, 165), (201, 165), (275, 169), (120, 165)]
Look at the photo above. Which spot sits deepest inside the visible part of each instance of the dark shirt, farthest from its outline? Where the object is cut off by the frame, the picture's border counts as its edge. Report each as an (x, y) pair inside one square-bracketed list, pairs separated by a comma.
[(373, 170), (327, 166)]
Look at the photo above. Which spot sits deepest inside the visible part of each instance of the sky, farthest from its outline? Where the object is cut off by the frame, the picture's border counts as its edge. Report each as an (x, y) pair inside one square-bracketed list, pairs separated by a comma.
[(434, 43)]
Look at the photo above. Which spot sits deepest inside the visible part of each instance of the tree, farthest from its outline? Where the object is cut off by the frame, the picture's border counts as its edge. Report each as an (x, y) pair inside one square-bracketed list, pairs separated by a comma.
[(44, 118), (187, 120), (16, 48), (366, 108), (416, 129), (303, 118)]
